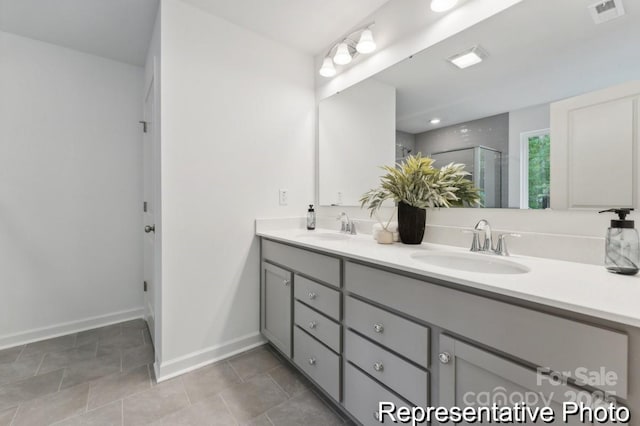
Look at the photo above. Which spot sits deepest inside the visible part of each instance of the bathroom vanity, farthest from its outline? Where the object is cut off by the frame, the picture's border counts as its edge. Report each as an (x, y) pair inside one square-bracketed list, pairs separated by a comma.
[(369, 323)]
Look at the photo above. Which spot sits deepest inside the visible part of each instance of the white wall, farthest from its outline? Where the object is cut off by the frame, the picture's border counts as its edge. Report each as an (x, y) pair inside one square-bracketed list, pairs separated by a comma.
[(70, 190), (354, 130), (237, 125), (521, 121)]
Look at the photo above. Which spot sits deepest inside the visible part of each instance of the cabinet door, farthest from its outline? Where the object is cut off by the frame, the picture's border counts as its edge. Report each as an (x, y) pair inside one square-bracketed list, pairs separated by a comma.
[(276, 298), (470, 376)]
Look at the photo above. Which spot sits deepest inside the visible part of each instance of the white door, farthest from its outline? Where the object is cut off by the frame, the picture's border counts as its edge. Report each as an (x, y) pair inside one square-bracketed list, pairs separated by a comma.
[(149, 204)]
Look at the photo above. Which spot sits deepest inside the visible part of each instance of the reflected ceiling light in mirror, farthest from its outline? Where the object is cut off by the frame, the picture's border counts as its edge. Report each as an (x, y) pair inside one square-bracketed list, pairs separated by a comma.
[(327, 69), (435, 121), (442, 5), (343, 51), (342, 56), (468, 58), (366, 44)]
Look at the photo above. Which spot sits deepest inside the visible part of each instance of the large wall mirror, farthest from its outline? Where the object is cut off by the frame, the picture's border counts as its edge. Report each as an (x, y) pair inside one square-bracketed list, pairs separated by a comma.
[(493, 116)]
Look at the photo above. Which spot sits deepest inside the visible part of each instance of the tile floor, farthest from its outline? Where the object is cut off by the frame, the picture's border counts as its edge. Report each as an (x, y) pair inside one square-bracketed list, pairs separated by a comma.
[(105, 377)]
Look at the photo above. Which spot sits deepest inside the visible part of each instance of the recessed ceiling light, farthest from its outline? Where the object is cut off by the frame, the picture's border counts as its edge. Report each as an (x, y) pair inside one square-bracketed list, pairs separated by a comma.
[(435, 121), (470, 57), (442, 5)]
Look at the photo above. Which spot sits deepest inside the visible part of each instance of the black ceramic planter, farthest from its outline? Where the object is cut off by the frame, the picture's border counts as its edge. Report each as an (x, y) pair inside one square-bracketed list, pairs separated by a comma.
[(411, 223)]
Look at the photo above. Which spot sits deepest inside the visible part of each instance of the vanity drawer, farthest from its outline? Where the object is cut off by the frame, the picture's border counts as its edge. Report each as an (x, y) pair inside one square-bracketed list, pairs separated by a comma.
[(404, 378), (318, 296), (405, 337), (316, 324), (320, 364), (321, 267), (542, 339), (362, 396)]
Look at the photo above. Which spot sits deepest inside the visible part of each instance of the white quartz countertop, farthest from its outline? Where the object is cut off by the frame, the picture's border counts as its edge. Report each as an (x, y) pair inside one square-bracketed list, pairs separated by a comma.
[(576, 287)]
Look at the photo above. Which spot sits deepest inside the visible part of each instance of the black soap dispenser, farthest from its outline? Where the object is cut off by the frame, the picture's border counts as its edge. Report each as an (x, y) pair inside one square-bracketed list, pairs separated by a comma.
[(622, 251), (311, 218)]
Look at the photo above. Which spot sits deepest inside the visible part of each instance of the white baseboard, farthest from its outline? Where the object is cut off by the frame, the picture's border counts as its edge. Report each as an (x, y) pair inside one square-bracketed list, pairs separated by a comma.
[(178, 366), (62, 329)]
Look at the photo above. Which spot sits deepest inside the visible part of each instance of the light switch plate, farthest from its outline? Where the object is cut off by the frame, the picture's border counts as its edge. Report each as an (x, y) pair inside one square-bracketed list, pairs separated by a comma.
[(284, 197)]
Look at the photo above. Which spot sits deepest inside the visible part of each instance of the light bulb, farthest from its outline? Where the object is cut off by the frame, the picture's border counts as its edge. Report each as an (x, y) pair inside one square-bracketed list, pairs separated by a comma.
[(327, 69), (366, 43), (342, 56), (442, 5)]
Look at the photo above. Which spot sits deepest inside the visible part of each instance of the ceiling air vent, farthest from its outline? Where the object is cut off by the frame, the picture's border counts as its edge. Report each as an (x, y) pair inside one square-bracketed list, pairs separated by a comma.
[(607, 10)]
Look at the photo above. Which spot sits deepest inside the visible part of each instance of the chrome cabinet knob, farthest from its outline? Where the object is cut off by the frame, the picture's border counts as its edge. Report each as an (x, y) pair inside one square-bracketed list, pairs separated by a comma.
[(378, 366), (312, 361), (313, 324), (378, 328), (150, 228), (376, 415), (312, 295), (444, 357), (285, 282)]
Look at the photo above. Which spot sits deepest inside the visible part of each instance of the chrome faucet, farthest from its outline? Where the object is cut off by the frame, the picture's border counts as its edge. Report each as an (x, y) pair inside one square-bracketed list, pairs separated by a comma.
[(483, 225), (346, 225), (487, 245)]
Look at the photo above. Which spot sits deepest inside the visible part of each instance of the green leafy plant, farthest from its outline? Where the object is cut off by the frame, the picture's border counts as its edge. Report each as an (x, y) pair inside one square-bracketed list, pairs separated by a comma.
[(417, 183)]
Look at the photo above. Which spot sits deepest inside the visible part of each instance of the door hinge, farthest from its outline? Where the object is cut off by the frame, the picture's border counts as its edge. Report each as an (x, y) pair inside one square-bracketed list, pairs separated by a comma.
[(144, 125), (145, 286), (144, 206)]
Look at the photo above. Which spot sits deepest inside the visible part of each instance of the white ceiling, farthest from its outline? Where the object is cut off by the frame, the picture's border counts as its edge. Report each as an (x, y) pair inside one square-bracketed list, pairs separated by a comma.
[(306, 25), (539, 51), (115, 29)]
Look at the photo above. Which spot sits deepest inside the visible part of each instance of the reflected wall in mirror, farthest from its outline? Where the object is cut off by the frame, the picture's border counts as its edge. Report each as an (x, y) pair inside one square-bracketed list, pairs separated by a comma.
[(495, 116)]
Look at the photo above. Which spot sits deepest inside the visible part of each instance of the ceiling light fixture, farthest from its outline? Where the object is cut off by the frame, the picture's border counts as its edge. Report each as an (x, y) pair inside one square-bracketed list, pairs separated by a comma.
[(435, 121), (468, 58), (345, 50), (442, 5)]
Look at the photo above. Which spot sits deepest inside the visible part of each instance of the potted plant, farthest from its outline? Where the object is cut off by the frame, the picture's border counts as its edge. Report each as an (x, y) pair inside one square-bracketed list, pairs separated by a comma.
[(416, 185)]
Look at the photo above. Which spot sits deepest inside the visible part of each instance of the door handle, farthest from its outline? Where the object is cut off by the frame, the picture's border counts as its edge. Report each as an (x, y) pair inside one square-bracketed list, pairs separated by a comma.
[(150, 228)]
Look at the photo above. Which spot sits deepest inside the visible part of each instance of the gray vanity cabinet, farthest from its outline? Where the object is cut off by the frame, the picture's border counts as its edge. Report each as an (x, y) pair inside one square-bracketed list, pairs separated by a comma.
[(470, 376), (276, 306)]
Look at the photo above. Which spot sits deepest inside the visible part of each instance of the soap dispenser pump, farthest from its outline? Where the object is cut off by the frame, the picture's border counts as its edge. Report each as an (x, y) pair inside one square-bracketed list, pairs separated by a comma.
[(311, 218), (622, 251)]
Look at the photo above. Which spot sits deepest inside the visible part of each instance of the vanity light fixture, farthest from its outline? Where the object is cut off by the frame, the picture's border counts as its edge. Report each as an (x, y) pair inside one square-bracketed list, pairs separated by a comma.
[(442, 5), (343, 51), (435, 121), (468, 58)]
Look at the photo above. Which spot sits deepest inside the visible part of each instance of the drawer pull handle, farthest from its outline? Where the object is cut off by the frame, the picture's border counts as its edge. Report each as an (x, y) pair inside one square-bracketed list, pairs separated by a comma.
[(378, 366), (312, 295), (285, 282), (312, 361), (444, 357), (312, 324), (378, 328)]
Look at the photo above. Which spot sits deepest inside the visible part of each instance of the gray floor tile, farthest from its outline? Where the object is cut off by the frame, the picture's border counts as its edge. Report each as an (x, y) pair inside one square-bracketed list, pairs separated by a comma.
[(156, 403), (253, 397), (109, 415), (56, 360), (209, 381), (21, 369), (304, 409), (118, 386), (137, 356), (52, 408), (139, 323), (255, 362), (92, 336), (14, 393), (11, 354), (128, 338), (147, 337), (261, 420), (210, 412), (86, 371), (291, 381), (6, 416), (50, 345)]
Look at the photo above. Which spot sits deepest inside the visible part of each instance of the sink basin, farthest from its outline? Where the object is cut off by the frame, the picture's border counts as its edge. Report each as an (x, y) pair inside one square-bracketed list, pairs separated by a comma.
[(471, 262), (324, 236)]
